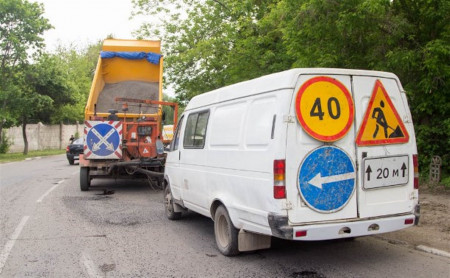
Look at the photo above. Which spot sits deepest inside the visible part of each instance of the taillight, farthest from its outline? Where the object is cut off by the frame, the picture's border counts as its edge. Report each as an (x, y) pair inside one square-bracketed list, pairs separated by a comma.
[(301, 233), (67, 149), (409, 221), (416, 171), (279, 170)]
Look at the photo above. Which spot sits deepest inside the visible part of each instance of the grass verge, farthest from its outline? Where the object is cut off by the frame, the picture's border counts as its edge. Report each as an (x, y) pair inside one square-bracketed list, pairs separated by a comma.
[(9, 157)]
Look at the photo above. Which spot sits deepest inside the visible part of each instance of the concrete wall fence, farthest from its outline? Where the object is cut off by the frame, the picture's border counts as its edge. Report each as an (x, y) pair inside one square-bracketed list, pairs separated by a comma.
[(43, 137)]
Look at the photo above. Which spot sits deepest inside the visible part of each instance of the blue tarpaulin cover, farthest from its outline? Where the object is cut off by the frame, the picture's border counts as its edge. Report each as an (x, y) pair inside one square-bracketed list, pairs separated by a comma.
[(149, 56)]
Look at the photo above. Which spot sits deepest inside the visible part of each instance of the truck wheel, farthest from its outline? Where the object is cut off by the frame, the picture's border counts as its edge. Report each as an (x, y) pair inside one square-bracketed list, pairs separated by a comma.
[(85, 179), (226, 234), (168, 205)]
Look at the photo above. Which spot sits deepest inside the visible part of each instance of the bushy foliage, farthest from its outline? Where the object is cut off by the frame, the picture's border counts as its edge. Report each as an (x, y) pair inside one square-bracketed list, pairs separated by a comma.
[(80, 65), (21, 28), (213, 43), (5, 143)]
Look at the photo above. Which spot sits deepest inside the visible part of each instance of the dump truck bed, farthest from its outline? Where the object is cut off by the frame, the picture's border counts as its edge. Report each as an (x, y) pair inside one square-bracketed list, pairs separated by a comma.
[(131, 78)]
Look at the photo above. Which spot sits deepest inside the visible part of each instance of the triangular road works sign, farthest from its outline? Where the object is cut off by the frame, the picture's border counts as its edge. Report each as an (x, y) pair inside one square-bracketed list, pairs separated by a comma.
[(381, 124)]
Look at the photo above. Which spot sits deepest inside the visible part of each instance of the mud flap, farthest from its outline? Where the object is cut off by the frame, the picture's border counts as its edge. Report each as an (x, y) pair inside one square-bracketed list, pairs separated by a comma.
[(248, 241), (178, 208)]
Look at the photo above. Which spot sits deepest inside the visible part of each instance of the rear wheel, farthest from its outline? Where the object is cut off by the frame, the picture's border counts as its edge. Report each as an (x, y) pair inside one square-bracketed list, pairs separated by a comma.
[(169, 206), (85, 179), (226, 234), (71, 161)]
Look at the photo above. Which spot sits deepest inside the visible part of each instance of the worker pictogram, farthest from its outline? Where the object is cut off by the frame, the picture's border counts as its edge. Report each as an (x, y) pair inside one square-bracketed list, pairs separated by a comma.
[(327, 179), (324, 108), (102, 139), (381, 123)]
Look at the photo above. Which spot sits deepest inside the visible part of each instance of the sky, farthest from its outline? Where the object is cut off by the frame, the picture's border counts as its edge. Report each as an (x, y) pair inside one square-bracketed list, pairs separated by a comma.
[(81, 22)]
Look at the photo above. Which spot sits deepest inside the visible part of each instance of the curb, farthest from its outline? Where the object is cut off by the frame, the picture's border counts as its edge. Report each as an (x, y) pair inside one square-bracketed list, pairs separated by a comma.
[(33, 158), (422, 248), (433, 251)]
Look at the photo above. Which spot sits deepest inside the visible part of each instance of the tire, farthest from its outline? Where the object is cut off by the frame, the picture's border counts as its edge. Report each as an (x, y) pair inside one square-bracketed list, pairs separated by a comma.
[(226, 234), (85, 179), (168, 205), (71, 161)]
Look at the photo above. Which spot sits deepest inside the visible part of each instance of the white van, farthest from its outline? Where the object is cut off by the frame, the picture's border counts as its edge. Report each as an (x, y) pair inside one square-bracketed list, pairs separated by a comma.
[(304, 154)]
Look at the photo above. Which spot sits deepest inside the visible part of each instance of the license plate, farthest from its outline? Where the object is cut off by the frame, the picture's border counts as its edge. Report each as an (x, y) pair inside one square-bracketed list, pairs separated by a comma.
[(385, 171)]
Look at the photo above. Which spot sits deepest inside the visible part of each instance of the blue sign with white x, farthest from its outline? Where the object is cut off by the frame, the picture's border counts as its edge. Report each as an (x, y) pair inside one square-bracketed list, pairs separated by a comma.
[(327, 179), (103, 139)]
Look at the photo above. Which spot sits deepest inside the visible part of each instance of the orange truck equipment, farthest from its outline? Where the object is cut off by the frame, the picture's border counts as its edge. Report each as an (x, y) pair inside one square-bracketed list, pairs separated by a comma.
[(123, 128)]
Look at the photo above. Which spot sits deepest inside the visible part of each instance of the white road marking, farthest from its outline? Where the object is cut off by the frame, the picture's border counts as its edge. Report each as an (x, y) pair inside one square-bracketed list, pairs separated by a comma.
[(89, 266), (10, 244), (48, 191)]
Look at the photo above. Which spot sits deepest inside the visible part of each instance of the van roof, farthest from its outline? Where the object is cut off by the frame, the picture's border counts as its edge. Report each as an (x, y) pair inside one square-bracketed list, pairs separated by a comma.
[(276, 81)]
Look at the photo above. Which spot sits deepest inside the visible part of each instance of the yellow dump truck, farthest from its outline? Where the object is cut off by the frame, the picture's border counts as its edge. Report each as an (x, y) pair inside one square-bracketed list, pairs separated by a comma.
[(123, 115)]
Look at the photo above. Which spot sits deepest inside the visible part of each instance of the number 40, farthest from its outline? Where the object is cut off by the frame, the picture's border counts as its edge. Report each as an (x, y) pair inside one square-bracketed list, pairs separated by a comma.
[(334, 109)]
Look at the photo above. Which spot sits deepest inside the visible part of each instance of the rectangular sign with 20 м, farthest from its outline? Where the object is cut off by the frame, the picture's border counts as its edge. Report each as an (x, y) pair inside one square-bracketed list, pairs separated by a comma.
[(385, 171)]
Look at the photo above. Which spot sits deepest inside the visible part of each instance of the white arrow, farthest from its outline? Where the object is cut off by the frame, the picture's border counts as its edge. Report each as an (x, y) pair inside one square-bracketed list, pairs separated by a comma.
[(318, 181), (109, 146)]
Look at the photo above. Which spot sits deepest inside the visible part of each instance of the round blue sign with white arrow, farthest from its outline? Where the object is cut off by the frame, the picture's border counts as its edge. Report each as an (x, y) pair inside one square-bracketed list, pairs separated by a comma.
[(327, 179), (103, 139)]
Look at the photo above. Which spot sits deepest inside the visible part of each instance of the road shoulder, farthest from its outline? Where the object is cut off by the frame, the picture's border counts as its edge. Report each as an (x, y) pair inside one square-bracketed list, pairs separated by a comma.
[(432, 235)]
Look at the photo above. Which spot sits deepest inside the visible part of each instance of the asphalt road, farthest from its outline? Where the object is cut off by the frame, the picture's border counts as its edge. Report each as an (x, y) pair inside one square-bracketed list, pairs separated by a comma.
[(49, 228)]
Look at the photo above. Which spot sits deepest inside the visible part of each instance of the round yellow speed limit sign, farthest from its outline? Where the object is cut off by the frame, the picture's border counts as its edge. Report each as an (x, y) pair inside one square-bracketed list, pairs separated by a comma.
[(324, 108)]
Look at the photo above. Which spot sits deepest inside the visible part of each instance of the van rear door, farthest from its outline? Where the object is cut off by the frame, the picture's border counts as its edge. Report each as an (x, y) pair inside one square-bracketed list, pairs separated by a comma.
[(321, 177), (343, 161), (385, 144)]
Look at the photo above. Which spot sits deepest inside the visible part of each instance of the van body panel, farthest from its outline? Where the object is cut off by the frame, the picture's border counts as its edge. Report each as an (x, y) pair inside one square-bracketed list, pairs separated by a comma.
[(239, 131), (244, 197), (300, 145)]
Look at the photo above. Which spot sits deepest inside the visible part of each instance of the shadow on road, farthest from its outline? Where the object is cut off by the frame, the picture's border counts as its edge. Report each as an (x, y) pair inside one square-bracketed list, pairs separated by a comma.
[(111, 186)]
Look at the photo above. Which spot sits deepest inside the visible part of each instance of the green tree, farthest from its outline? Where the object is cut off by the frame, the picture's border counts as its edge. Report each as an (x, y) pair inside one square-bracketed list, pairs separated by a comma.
[(44, 89), (170, 111), (345, 34), (421, 59), (80, 65), (21, 27), (27, 103), (213, 43), (210, 44)]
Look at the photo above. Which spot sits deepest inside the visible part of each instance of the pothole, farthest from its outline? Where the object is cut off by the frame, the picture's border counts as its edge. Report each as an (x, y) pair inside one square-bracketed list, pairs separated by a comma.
[(107, 267)]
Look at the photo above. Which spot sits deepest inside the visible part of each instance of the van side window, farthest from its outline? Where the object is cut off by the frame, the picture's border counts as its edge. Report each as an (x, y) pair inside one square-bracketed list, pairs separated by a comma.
[(176, 137), (195, 133)]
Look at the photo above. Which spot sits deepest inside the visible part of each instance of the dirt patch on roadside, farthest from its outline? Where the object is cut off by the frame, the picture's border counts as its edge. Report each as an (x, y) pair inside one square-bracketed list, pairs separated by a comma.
[(434, 225)]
